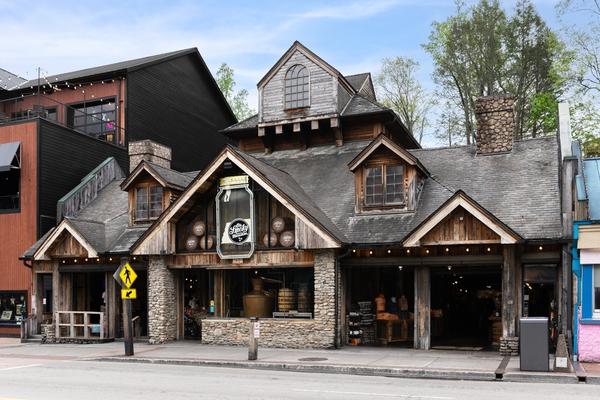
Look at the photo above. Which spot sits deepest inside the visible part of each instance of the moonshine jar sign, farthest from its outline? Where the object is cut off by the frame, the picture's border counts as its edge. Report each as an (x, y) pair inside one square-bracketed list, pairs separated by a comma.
[(235, 218)]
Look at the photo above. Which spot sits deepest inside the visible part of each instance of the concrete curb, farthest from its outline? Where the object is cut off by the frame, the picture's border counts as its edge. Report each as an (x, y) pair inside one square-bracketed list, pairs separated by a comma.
[(445, 374)]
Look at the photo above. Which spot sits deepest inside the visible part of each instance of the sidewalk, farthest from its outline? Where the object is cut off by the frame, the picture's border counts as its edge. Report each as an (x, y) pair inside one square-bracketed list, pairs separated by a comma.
[(394, 362)]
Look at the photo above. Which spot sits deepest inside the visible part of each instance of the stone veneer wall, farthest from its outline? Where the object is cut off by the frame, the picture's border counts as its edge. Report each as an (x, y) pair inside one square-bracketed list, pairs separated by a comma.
[(316, 333), (495, 124), (162, 306), (588, 340)]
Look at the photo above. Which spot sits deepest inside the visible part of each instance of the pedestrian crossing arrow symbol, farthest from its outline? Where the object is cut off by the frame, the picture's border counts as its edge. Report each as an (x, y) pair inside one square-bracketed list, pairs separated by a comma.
[(127, 275), (127, 294)]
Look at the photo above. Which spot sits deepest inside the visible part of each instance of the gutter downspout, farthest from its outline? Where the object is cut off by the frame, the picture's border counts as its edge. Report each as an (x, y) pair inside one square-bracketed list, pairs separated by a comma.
[(336, 271)]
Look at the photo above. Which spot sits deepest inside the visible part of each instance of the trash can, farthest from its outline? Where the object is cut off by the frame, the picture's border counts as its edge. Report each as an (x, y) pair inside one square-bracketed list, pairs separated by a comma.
[(534, 342)]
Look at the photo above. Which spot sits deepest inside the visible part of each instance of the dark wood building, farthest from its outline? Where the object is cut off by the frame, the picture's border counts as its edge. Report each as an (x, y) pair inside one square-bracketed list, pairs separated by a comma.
[(65, 125)]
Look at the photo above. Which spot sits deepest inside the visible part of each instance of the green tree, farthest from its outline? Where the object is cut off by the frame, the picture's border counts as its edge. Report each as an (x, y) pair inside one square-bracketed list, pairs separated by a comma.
[(237, 101), (481, 51), (399, 89)]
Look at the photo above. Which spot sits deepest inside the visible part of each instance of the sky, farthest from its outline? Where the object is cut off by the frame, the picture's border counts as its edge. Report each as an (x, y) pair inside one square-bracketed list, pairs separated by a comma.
[(353, 36)]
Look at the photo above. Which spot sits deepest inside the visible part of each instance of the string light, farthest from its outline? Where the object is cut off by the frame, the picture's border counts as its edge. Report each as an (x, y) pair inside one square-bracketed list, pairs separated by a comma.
[(540, 248), (407, 251), (447, 249), (426, 251), (389, 251), (370, 252), (467, 249)]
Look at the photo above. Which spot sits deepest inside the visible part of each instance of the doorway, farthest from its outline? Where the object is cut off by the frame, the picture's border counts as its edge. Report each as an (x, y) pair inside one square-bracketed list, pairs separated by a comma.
[(539, 294), (466, 306)]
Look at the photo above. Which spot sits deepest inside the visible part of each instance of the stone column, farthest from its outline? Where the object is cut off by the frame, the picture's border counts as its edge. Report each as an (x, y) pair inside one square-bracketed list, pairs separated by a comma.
[(324, 295), (422, 335), (162, 307)]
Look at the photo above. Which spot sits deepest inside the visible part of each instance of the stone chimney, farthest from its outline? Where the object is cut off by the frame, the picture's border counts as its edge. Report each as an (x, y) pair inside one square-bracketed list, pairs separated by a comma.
[(495, 123), (150, 151)]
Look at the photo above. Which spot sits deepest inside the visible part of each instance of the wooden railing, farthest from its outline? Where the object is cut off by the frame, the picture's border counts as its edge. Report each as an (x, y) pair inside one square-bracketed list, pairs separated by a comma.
[(77, 325), (87, 190)]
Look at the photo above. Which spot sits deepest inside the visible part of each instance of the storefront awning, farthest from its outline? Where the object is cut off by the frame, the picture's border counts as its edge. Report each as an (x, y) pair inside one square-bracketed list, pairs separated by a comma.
[(9, 156)]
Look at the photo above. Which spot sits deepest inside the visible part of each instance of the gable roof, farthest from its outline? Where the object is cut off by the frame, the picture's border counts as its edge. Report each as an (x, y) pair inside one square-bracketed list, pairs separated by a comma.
[(165, 176), (110, 69), (278, 183), (297, 46), (8, 80), (363, 84), (65, 226), (526, 177), (461, 199), (384, 141)]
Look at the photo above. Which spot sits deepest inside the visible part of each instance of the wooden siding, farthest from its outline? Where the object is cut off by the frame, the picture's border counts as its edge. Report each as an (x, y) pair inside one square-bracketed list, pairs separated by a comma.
[(176, 104), (67, 246), (18, 230), (65, 158), (458, 228), (323, 92), (260, 259)]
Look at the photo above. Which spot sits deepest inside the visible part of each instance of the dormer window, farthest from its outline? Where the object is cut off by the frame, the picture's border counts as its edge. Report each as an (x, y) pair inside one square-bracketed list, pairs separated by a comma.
[(297, 92), (148, 202), (384, 185)]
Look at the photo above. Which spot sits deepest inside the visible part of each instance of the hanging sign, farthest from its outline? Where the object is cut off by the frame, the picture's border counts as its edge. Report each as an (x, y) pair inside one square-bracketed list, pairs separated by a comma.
[(235, 218)]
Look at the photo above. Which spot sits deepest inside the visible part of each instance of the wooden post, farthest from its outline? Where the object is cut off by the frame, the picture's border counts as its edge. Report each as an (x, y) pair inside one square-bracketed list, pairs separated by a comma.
[(422, 334), (127, 327), (508, 291)]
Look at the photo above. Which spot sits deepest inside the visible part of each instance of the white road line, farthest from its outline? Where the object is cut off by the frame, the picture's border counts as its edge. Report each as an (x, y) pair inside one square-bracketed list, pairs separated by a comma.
[(404, 396), (20, 366)]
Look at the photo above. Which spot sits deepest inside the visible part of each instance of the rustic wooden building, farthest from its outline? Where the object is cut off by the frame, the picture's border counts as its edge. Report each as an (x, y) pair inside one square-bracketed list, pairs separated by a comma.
[(330, 223), (67, 124)]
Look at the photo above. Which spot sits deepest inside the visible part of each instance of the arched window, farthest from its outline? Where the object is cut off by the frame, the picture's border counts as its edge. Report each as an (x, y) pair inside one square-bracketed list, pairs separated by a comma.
[(296, 87)]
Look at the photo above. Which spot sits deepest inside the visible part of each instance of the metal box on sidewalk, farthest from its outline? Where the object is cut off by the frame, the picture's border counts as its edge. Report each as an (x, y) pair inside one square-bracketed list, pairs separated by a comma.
[(534, 343)]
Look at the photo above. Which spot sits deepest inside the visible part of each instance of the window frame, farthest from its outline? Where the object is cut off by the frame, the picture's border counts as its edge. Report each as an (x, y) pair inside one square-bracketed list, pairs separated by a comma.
[(70, 115), (385, 204), (17, 209), (148, 186), (286, 79), (16, 293)]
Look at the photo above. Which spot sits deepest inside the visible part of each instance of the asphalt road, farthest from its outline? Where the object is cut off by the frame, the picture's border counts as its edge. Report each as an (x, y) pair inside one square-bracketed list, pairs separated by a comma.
[(69, 379)]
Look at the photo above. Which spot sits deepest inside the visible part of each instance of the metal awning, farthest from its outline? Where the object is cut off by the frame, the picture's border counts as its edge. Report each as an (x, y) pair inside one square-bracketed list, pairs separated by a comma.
[(9, 156)]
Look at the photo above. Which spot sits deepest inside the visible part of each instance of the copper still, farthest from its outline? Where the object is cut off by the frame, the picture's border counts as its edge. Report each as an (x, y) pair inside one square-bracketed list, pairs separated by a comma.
[(259, 302)]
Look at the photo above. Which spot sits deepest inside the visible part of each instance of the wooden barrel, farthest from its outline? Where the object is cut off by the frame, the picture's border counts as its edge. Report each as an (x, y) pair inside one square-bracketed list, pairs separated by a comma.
[(191, 242), (287, 239), (278, 224), (208, 243), (286, 299), (304, 299), (199, 228), (272, 242)]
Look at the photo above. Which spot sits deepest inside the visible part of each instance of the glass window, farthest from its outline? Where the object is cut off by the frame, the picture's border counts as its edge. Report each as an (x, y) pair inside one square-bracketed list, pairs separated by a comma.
[(96, 118), (596, 293), (384, 185), (148, 202), (374, 185), (394, 184), (51, 114), (13, 307), (297, 93)]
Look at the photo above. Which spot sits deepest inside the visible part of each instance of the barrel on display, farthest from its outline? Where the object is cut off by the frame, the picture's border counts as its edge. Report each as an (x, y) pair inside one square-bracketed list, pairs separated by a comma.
[(304, 299), (278, 224), (191, 242), (287, 299), (287, 239), (272, 242), (207, 243), (199, 228)]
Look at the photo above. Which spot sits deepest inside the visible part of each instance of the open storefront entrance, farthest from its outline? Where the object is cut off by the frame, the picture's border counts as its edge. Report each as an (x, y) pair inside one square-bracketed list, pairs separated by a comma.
[(466, 304), (379, 305)]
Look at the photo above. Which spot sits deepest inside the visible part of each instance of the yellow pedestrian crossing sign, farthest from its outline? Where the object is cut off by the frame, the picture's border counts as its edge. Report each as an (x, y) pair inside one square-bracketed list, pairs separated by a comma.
[(127, 275), (127, 294)]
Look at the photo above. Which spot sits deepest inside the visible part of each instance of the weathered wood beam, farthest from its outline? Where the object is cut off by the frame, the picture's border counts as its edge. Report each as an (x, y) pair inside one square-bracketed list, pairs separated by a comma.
[(334, 122), (339, 138), (509, 269), (296, 127), (278, 129), (314, 124), (422, 334), (261, 131)]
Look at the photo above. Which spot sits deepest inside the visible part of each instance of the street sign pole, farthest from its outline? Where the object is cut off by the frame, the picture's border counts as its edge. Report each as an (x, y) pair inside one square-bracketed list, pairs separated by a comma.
[(125, 275), (127, 327)]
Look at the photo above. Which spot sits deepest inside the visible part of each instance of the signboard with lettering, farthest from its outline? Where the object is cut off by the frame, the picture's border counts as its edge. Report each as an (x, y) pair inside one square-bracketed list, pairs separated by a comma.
[(235, 218)]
